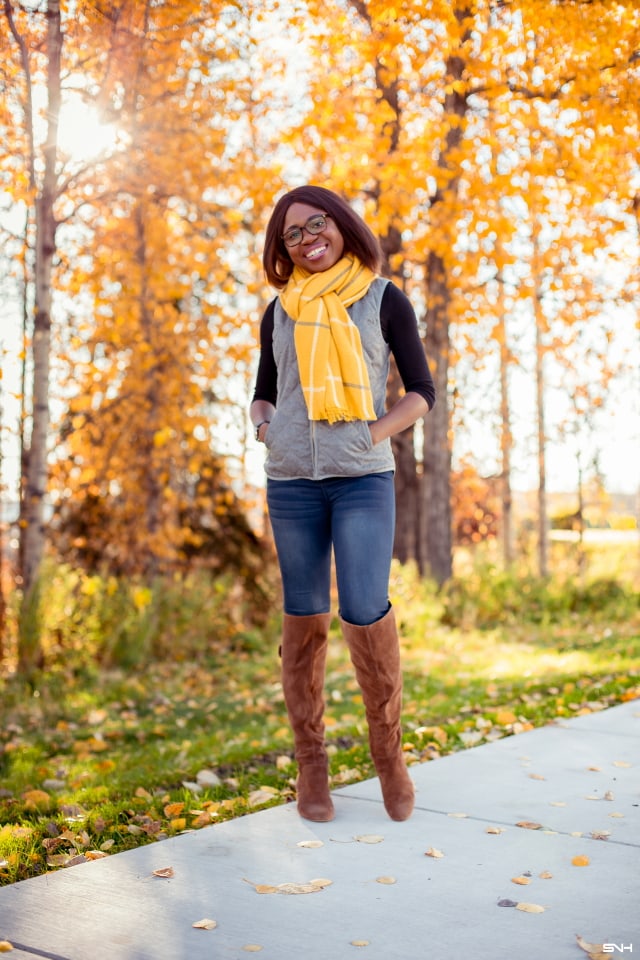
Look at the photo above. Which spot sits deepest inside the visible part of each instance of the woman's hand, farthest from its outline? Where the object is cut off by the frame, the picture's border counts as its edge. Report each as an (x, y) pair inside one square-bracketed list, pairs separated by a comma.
[(403, 414)]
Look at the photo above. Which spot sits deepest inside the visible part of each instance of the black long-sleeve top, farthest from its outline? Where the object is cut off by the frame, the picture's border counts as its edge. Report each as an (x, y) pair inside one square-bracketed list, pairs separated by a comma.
[(399, 329)]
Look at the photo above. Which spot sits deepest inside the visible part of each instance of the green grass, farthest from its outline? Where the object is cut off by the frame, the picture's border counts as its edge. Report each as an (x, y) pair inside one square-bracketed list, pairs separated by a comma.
[(96, 760)]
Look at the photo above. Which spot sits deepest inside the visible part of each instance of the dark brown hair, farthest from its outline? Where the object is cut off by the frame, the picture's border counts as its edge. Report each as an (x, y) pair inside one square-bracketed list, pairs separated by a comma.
[(358, 238)]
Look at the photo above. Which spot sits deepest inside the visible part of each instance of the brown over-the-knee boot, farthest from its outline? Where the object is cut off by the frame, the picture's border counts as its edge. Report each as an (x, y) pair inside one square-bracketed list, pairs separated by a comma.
[(304, 654), (375, 653)]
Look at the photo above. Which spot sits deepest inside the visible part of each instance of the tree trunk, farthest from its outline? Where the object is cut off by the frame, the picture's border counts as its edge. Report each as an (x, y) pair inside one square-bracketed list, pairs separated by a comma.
[(34, 530), (540, 324), (436, 540), (436, 546), (506, 436)]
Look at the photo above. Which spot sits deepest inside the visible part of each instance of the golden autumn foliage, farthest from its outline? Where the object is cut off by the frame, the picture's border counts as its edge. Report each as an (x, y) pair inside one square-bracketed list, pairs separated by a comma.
[(492, 146)]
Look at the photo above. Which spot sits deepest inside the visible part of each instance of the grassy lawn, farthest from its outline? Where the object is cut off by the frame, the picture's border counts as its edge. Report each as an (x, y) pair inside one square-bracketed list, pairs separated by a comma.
[(95, 762)]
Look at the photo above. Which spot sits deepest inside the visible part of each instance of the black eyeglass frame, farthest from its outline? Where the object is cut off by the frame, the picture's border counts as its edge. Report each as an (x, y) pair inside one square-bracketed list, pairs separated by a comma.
[(305, 226)]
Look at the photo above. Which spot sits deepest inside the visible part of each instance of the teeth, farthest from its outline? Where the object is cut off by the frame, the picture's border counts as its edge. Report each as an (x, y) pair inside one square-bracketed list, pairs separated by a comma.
[(315, 253)]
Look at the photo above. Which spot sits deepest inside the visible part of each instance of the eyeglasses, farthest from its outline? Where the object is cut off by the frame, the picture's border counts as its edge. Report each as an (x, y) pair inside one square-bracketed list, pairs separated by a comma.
[(315, 224)]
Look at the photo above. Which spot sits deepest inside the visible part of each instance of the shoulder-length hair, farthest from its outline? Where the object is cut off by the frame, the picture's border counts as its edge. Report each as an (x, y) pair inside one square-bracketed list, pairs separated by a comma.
[(358, 238)]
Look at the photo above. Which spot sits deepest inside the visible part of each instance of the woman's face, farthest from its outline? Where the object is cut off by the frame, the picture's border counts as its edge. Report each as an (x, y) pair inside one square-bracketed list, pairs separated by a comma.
[(315, 252)]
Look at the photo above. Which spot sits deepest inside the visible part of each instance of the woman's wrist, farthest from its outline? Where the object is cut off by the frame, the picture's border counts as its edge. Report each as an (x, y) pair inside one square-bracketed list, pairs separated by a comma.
[(261, 429)]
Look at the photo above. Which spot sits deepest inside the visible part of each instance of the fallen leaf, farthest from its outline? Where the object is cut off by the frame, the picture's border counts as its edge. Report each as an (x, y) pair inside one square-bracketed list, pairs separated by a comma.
[(600, 834), (5, 946), (529, 825), (523, 881), (609, 795), (458, 816), (545, 875), (313, 886), (292, 889), (434, 852), (504, 717), (495, 830), (36, 798), (359, 943), (595, 769), (310, 843), (74, 861), (165, 872), (252, 948), (595, 951), (536, 776), (95, 854), (557, 803), (173, 809), (205, 924), (617, 815), (386, 880), (622, 763), (530, 907), (262, 795), (581, 861), (369, 838)]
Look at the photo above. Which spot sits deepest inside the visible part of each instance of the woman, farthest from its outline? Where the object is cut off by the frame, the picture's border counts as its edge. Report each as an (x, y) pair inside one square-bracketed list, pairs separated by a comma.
[(319, 406)]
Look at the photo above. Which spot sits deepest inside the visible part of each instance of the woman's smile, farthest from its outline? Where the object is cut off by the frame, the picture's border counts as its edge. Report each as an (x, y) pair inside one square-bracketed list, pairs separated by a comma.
[(315, 252)]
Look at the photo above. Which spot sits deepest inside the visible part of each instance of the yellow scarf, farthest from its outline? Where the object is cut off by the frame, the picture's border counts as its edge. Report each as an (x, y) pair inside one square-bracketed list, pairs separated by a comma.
[(333, 373)]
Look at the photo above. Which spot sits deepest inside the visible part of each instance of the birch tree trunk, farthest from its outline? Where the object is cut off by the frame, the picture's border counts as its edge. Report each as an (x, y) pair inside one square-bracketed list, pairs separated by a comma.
[(506, 436), (34, 529), (540, 326)]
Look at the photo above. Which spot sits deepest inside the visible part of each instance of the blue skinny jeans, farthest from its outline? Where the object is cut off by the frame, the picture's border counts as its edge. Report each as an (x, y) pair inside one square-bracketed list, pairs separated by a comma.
[(353, 515)]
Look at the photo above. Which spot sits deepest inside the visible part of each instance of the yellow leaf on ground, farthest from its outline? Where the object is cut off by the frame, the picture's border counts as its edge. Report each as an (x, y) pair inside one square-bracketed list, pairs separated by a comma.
[(165, 872), (529, 825), (310, 843), (173, 809), (595, 951), (252, 948), (205, 924), (530, 907), (581, 861), (359, 943), (36, 798), (503, 717), (369, 838), (386, 880), (262, 795), (495, 830), (523, 881), (5, 946), (313, 886), (434, 852), (545, 875)]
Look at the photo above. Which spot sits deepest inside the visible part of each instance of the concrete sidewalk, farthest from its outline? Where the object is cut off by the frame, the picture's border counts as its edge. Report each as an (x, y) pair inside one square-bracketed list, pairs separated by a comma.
[(578, 781)]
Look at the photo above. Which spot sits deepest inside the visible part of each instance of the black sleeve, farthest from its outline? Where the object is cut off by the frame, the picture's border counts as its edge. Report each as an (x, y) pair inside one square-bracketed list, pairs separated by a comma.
[(267, 379), (400, 330)]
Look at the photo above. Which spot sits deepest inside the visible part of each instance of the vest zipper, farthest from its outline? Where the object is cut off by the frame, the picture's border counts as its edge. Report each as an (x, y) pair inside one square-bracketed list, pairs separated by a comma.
[(314, 450)]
